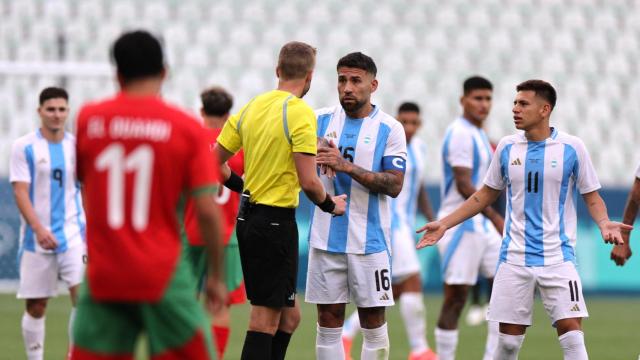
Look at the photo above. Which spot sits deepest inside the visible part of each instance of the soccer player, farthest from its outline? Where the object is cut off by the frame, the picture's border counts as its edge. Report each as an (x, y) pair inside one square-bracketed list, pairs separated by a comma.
[(137, 156), (216, 103), (472, 247), (406, 281), (349, 257), (542, 169), (621, 253), (277, 131), (42, 172)]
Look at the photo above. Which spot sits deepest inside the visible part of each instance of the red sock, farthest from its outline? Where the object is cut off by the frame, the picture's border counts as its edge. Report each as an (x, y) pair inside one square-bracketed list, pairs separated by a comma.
[(221, 335)]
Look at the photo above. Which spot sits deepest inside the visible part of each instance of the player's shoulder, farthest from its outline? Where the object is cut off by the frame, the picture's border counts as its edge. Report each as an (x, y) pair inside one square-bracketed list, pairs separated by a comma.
[(26, 140), (327, 111), (509, 140), (568, 139), (385, 118)]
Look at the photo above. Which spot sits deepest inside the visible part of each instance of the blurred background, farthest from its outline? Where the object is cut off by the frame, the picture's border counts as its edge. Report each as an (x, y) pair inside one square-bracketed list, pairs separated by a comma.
[(424, 49)]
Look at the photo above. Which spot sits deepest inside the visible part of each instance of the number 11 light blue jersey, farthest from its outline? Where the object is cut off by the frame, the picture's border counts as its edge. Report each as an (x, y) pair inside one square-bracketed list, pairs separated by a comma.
[(375, 143)]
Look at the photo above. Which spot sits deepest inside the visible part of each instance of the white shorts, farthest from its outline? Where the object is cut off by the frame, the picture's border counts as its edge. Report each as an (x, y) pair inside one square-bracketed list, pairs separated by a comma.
[(404, 256), (464, 254), (40, 272), (335, 278), (513, 292)]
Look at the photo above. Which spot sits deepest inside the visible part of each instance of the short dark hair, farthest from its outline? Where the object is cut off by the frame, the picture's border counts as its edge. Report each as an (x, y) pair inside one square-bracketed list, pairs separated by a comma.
[(476, 83), (542, 89), (53, 93), (409, 106), (295, 60), (138, 54), (216, 101), (358, 60)]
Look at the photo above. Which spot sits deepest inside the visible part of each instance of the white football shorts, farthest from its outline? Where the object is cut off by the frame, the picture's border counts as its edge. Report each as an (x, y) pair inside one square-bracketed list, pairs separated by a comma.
[(40, 272), (465, 253), (514, 287), (335, 278), (404, 256)]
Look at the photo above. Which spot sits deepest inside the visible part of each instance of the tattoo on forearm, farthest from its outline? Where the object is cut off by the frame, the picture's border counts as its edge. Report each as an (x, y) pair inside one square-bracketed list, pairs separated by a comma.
[(385, 183)]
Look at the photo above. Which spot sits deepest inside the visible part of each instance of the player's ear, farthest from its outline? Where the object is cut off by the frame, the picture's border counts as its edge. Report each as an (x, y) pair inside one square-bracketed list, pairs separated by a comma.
[(278, 72), (164, 72), (374, 85), (202, 114)]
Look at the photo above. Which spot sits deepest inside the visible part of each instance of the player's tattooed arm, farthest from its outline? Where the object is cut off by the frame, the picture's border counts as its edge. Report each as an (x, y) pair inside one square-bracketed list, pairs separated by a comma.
[(388, 182), (467, 189)]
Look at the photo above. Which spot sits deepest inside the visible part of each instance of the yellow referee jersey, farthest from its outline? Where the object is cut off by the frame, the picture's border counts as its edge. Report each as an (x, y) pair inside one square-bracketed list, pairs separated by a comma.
[(270, 128)]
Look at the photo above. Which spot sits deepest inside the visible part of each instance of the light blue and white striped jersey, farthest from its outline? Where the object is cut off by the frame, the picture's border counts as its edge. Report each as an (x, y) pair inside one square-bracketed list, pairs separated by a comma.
[(543, 180), (465, 145), (404, 208), (50, 170), (375, 143)]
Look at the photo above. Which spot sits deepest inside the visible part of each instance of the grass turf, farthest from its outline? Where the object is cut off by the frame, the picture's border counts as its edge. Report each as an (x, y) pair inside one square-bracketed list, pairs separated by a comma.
[(609, 331)]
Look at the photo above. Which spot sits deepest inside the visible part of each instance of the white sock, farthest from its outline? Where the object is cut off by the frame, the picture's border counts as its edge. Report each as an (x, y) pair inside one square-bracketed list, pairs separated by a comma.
[(493, 332), (329, 343), (33, 335), (415, 321), (351, 326), (508, 346), (72, 319), (446, 343), (572, 344), (375, 345)]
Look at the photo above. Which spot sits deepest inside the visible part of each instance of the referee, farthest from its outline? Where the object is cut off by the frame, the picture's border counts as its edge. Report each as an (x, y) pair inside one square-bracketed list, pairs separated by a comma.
[(277, 131)]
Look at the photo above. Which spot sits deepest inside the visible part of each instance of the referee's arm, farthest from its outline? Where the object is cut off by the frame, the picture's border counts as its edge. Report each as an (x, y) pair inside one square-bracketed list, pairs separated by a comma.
[(308, 177)]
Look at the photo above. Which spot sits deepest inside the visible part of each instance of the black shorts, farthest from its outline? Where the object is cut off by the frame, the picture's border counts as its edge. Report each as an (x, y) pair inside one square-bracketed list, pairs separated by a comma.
[(268, 244)]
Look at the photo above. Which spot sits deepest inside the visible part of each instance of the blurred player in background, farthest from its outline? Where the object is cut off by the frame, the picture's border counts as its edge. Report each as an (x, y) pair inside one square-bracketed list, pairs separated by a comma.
[(52, 247), (621, 253), (406, 280), (542, 170), (137, 157), (216, 103), (473, 246), (277, 131), (349, 256)]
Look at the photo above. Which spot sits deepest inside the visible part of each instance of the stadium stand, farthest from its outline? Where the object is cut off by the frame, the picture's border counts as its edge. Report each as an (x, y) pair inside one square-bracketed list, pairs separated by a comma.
[(586, 48)]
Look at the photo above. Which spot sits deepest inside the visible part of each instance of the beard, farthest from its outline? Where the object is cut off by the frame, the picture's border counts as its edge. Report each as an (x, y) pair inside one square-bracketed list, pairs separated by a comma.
[(352, 106)]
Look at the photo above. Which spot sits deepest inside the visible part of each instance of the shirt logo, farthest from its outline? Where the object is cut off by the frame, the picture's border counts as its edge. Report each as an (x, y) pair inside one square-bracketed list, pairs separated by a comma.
[(367, 139), (554, 163), (42, 161), (332, 135), (349, 136), (516, 162)]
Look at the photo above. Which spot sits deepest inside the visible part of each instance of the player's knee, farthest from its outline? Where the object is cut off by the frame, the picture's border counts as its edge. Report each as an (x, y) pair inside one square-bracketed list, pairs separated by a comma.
[(36, 307), (331, 315), (509, 344), (565, 325), (371, 318)]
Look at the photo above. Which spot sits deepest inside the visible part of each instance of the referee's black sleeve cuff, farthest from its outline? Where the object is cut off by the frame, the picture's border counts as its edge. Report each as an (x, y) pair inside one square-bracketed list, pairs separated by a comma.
[(234, 183)]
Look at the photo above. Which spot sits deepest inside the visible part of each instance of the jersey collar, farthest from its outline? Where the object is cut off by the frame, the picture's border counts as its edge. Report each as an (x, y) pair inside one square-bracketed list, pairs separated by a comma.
[(553, 136)]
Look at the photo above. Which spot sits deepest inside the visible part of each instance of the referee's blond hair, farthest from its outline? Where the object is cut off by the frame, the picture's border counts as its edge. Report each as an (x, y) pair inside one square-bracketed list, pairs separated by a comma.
[(296, 60)]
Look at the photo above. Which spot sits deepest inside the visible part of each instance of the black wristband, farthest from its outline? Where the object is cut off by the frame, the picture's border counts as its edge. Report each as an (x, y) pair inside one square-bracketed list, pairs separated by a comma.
[(327, 205), (234, 183)]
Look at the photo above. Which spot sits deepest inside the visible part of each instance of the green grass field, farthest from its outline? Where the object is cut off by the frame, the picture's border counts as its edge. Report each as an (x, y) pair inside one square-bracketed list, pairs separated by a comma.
[(610, 332)]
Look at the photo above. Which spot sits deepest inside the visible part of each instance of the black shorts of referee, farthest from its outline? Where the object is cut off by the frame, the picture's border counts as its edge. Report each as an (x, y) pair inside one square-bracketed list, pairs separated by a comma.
[(268, 244)]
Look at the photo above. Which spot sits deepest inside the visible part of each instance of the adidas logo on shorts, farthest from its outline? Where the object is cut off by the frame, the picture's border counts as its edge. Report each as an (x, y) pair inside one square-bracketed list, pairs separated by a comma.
[(575, 308), (385, 297)]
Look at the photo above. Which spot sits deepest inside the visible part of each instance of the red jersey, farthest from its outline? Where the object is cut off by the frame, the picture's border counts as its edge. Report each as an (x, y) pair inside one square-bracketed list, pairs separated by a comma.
[(227, 199), (136, 156)]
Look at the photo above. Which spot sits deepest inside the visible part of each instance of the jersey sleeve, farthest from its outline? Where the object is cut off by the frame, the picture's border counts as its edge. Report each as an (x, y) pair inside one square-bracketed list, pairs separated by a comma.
[(19, 163), (460, 149), (301, 124), (395, 151), (496, 177), (202, 168), (229, 137), (586, 177)]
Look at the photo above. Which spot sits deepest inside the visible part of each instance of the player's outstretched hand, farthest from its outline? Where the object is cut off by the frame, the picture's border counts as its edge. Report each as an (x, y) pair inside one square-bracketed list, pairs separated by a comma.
[(612, 231), (324, 169), (621, 253), (216, 295), (341, 204), (433, 233), (46, 239)]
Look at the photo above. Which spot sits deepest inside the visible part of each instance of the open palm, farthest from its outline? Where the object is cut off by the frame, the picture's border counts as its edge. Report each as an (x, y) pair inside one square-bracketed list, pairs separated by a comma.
[(612, 232), (433, 233)]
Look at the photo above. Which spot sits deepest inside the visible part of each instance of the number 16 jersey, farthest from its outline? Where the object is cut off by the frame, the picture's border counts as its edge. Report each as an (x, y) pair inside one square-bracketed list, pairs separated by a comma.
[(375, 143), (136, 156)]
